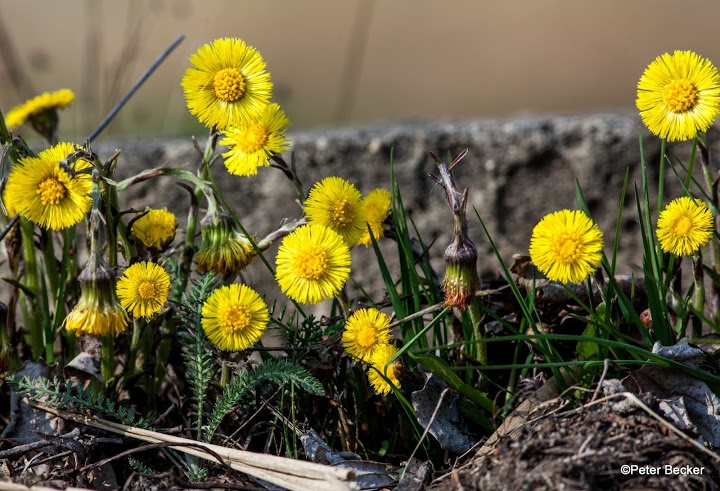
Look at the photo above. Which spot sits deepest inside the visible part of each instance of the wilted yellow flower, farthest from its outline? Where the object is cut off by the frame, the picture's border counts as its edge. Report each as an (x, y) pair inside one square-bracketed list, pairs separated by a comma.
[(337, 204), (365, 330), (44, 192), (40, 112), (252, 144), (155, 229), (685, 226), (566, 246), (143, 288), (227, 85), (378, 360), (679, 95), (377, 205), (223, 250), (234, 317), (313, 264), (98, 311)]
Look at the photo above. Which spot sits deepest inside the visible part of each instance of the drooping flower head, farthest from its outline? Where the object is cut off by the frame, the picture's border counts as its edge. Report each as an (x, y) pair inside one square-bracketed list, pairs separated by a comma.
[(685, 226), (365, 330), (679, 95), (378, 360), (566, 246), (98, 311), (337, 204), (377, 205), (313, 264), (48, 193), (253, 143), (234, 317), (227, 85), (155, 229), (40, 112), (143, 288), (223, 250)]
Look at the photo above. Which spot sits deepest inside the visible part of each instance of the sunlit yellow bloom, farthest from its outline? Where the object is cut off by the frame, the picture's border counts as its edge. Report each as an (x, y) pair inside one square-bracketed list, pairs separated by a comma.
[(98, 311), (227, 85), (378, 360), (44, 192), (365, 330), (143, 288), (234, 317), (252, 144), (679, 95), (313, 264), (37, 106), (223, 250), (685, 226), (337, 204), (377, 205), (566, 246), (155, 229)]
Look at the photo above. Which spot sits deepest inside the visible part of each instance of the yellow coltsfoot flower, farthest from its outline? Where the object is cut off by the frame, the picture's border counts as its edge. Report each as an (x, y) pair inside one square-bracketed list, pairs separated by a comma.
[(365, 330), (376, 204), (251, 145), (380, 357), (227, 85), (155, 229), (234, 317), (222, 249), (41, 112), (679, 95), (685, 226), (313, 264), (143, 288), (566, 246), (337, 204), (46, 193)]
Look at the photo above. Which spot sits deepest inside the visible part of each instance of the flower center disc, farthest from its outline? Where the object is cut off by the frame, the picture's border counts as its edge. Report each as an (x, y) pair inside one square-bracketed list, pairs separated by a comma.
[(566, 248), (366, 336), (680, 96), (682, 226), (253, 138), (229, 84), (51, 191), (312, 264), (234, 318), (342, 213), (146, 290)]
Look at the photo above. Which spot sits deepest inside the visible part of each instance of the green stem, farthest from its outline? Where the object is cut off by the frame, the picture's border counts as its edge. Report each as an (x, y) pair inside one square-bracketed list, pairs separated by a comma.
[(33, 317), (107, 359), (134, 345), (480, 348), (699, 301)]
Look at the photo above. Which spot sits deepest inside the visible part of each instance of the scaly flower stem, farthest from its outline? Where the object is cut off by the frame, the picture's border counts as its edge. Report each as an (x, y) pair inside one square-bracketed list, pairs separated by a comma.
[(32, 317)]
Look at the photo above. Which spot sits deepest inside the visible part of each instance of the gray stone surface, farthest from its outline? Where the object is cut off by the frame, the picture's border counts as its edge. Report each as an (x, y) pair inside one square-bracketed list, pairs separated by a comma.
[(517, 171)]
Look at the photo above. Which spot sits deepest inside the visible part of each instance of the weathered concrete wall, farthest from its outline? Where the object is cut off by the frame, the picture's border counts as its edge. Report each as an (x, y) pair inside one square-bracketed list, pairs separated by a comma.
[(517, 171)]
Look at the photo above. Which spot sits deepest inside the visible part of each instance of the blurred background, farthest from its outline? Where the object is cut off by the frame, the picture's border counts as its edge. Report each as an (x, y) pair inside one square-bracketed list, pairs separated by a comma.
[(352, 62)]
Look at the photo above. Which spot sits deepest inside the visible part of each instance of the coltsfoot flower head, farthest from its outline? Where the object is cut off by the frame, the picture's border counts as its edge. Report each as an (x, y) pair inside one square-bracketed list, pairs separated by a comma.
[(45, 193), (41, 112), (313, 264), (337, 204), (679, 95), (685, 226), (234, 317), (98, 311), (461, 278), (376, 205), (253, 143), (378, 360), (223, 250), (566, 246), (155, 229), (227, 85), (143, 288), (365, 330)]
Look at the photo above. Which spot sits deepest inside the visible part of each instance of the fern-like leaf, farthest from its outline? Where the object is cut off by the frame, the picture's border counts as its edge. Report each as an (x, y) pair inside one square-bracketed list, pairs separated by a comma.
[(276, 371), (197, 349)]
